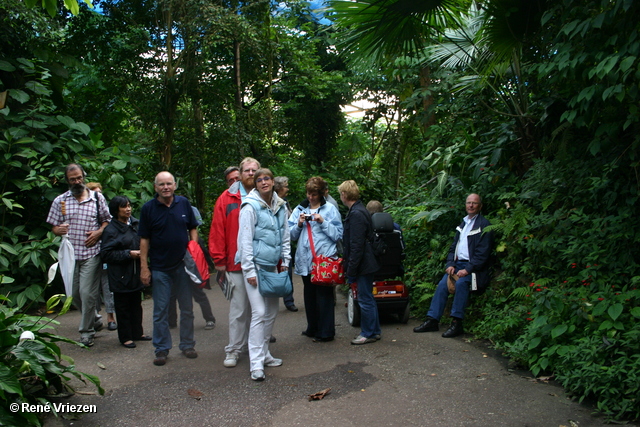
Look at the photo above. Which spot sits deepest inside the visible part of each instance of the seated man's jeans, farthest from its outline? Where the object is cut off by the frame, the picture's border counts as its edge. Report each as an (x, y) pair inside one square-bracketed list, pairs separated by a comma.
[(460, 298)]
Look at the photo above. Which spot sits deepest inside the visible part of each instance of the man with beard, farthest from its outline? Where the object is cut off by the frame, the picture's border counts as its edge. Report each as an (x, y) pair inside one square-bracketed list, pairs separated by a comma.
[(223, 245), (82, 214)]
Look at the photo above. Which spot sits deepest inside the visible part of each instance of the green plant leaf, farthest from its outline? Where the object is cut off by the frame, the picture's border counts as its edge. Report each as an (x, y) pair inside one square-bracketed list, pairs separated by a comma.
[(544, 362), (615, 311), (607, 324), (66, 120), (5, 66), (627, 63), (8, 248), (559, 330), (82, 127), (66, 306), (119, 164), (534, 343), (19, 95), (72, 5), (9, 381)]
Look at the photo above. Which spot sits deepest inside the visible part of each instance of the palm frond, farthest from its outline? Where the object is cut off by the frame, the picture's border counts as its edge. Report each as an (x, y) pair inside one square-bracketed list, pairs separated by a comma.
[(387, 28)]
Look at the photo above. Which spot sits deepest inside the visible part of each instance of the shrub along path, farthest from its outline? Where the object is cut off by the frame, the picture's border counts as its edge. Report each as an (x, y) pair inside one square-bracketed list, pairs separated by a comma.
[(404, 379)]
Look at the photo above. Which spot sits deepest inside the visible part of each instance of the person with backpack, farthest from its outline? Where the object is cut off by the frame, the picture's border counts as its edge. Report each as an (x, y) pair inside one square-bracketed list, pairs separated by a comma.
[(359, 260), (82, 214)]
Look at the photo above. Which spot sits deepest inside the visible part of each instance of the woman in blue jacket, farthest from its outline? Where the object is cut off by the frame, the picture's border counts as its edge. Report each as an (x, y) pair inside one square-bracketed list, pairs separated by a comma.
[(263, 243), (323, 220)]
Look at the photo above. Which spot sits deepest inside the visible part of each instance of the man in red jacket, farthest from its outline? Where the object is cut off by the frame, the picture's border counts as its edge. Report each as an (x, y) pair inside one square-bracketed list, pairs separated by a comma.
[(223, 246)]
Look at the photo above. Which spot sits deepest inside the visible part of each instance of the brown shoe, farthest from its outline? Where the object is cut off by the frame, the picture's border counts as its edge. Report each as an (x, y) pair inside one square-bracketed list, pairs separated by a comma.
[(161, 358), (190, 353)]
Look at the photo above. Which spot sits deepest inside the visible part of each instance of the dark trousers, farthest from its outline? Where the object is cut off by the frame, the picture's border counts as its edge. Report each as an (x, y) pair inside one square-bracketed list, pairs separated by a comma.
[(198, 296), (288, 299), (320, 309), (129, 315)]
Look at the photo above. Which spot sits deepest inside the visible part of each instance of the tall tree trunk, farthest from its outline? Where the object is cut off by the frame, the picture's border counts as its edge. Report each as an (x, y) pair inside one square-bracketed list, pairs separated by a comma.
[(427, 102), (239, 104), (400, 149), (199, 141), (171, 92)]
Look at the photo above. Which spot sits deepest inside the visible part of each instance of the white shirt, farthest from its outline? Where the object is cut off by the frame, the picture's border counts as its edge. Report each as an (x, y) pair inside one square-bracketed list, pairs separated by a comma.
[(462, 250)]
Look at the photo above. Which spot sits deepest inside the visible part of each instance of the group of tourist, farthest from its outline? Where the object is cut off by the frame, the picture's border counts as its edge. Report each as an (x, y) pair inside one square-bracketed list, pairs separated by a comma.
[(251, 230)]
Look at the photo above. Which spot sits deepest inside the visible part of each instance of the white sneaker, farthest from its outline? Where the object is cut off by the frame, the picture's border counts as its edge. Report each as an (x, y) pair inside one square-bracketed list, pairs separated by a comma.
[(273, 363), (359, 340), (231, 360), (257, 375)]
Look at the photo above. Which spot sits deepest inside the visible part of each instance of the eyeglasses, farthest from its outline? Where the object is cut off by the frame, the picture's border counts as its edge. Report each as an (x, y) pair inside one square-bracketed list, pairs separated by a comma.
[(265, 179), (75, 179)]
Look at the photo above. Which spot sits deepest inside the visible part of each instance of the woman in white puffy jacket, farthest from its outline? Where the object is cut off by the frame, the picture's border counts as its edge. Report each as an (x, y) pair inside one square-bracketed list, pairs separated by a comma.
[(263, 243)]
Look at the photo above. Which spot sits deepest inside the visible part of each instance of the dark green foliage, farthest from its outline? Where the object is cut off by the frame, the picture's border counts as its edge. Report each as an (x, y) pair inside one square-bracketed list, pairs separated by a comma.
[(539, 115), (37, 143), (566, 299), (32, 371), (549, 138)]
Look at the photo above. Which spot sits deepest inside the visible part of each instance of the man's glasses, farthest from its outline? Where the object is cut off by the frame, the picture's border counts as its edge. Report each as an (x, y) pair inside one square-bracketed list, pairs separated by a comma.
[(266, 179)]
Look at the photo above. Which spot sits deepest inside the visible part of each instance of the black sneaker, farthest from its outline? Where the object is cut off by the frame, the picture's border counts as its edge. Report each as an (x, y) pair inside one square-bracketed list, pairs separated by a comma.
[(455, 329), (429, 325)]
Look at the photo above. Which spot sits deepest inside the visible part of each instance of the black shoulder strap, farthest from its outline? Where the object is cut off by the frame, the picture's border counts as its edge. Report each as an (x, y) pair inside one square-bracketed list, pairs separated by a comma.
[(95, 194)]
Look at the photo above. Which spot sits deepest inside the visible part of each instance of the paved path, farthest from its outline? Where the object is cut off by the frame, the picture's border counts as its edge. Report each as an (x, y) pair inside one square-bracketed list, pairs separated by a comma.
[(406, 379)]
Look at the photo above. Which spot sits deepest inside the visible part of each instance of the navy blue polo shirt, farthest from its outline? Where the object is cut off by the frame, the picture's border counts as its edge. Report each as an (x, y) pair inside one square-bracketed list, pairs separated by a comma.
[(167, 228)]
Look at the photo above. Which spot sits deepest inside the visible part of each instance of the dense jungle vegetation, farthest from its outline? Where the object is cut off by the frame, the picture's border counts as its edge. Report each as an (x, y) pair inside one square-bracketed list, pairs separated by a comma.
[(532, 104)]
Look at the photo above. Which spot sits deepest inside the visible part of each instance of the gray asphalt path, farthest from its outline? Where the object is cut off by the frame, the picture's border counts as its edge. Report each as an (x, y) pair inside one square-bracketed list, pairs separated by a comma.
[(405, 379)]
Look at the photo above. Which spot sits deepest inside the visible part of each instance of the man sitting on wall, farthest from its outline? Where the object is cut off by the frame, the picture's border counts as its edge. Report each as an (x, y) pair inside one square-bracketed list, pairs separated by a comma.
[(468, 264)]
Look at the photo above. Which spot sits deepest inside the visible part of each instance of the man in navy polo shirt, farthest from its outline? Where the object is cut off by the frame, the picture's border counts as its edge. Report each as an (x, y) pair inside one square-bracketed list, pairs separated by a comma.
[(167, 223)]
